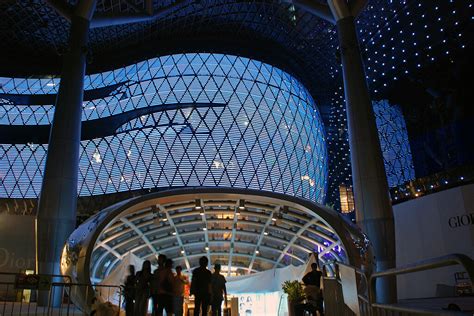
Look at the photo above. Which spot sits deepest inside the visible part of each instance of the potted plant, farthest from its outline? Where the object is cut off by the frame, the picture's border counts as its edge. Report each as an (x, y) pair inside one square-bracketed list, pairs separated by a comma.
[(295, 293)]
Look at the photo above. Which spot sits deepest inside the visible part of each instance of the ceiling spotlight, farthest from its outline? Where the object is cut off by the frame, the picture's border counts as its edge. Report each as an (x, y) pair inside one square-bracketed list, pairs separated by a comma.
[(265, 233), (204, 229), (174, 233), (241, 204), (182, 251), (207, 248), (198, 204), (257, 251)]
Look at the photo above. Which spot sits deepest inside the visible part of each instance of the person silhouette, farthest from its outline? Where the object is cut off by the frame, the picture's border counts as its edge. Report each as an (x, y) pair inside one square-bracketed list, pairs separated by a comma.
[(312, 282), (180, 280), (155, 283), (165, 289), (129, 291), (142, 291), (201, 287), (219, 291)]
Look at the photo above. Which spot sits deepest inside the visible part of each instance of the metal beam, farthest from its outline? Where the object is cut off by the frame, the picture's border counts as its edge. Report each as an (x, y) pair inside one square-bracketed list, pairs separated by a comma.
[(260, 238), (294, 239), (178, 237), (113, 19), (234, 226), (139, 233), (206, 234)]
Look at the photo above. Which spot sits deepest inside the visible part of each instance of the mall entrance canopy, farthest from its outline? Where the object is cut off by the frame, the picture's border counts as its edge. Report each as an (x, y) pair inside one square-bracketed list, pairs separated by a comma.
[(246, 231)]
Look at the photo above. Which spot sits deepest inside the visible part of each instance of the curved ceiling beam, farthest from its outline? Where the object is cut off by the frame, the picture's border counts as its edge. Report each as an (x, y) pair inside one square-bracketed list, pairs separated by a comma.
[(149, 256), (260, 238), (206, 229), (139, 233), (293, 240), (284, 242), (96, 128), (186, 256), (147, 15), (182, 226), (245, 244), (106, 19), (261, 226), (234, 226), (178, 237)]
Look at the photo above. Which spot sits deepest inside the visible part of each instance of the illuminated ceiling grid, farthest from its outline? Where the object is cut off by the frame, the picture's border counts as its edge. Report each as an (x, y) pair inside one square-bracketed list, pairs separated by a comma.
[(243, 236), (210, 120)]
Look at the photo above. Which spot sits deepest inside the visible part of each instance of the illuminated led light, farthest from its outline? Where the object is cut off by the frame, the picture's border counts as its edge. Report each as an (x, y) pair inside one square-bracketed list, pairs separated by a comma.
[(198, 204)]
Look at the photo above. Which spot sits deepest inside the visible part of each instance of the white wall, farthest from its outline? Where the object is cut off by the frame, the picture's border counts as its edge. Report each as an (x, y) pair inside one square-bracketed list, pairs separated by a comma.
[(428, 227)]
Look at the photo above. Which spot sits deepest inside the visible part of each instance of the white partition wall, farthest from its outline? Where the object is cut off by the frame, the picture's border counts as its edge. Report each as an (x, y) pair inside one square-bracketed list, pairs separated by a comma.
[(431, 226)]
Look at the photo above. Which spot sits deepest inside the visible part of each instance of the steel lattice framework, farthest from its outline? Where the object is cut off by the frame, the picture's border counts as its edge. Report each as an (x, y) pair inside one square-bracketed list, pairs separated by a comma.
[(245, 230), (178, 120), (394, 143), (263, 236)]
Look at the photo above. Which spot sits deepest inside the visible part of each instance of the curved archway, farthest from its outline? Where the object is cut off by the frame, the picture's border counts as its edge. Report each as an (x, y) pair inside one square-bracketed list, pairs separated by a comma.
[(245, 230)]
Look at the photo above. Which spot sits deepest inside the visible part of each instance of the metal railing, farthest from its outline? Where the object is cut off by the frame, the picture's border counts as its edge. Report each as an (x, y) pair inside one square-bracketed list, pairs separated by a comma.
[(367, 289), (22, 294)]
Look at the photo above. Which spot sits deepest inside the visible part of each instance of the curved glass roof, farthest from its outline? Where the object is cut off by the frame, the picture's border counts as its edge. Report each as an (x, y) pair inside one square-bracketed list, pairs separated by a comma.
[(245, 235)]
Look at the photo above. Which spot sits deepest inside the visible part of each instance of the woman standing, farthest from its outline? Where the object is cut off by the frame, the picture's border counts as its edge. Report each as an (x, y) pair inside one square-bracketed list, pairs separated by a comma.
[(142, 292)]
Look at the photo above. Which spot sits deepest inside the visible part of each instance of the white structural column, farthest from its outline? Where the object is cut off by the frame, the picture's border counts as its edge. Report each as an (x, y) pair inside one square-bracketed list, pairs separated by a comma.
[(373, 207), (260, 238)]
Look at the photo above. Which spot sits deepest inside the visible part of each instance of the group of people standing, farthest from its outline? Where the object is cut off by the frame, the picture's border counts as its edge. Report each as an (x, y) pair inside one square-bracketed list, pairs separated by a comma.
[(166, 289)]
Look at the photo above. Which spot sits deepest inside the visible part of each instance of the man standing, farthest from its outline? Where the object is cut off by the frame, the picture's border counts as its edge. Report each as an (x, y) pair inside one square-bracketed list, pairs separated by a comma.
[(219, 291), (155, 280), (201, 287), (129, 291), (179, 281), (312, 282)]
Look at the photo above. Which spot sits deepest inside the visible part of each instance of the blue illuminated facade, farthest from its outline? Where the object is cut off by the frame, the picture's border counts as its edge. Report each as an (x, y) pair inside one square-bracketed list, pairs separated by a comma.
[(393, 137), (191, 120)]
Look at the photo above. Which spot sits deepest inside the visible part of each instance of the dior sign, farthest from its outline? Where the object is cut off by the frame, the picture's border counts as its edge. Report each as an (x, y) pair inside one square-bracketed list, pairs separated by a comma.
[(10, 261)]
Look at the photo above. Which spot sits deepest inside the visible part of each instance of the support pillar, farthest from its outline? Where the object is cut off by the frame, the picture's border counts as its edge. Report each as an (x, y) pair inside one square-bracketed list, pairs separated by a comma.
[(373, 207), (56, 216)]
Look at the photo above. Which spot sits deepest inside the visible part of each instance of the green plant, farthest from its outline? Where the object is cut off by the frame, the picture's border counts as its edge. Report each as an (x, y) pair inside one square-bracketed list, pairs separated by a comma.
[(294, 289)]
